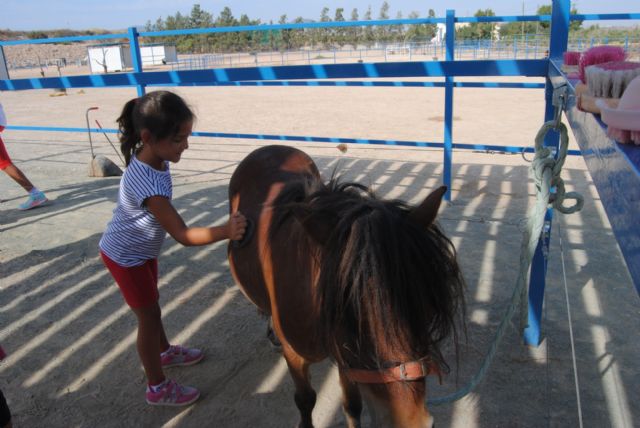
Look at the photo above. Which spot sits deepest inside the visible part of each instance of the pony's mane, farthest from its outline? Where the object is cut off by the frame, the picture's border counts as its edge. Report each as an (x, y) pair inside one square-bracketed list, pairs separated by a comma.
[(382, 275)]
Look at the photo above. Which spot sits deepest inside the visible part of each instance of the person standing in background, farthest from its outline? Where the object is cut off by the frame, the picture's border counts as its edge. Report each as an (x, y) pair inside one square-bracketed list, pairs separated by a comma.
[(36, 197)]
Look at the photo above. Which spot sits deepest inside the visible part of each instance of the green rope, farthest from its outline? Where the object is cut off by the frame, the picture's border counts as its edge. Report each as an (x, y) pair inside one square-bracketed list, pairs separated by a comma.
[(546, 173)]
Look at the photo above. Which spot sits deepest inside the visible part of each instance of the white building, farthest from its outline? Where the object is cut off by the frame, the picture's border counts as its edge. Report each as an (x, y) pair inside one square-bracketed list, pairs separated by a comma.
[(109, 58), (157, 54)]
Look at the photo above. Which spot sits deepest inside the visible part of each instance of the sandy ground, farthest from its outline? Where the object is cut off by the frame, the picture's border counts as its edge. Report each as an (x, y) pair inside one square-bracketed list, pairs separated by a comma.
[(71, 340)]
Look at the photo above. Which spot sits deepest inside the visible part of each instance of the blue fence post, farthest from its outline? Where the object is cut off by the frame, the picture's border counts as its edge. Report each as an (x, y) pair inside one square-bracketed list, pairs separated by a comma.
[(448, 104), (136, 59), (557, 46)]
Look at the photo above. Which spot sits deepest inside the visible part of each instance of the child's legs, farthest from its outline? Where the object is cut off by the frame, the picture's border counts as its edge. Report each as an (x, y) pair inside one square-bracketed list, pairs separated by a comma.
[(139, 286), (13, 171), (18, 176), (164, 342), (150, 341)]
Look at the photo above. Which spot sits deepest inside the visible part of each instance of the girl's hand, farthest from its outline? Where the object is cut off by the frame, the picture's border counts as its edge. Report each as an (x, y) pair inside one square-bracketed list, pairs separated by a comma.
[(236, 226)]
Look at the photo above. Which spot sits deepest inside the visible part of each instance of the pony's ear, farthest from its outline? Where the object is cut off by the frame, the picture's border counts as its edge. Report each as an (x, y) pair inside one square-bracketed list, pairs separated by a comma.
[(426, 212), (317, 226)]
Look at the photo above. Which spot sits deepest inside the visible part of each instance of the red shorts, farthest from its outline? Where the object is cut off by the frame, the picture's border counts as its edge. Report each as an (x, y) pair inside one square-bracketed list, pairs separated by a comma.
[(5, 160), (138, 284)]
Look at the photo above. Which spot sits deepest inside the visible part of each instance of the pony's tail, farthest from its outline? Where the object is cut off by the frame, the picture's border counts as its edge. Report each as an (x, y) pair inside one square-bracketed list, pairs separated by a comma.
[(129, 138)]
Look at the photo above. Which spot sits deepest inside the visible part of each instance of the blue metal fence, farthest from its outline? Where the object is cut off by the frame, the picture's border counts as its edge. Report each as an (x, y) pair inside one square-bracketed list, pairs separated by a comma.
[(316, 75)]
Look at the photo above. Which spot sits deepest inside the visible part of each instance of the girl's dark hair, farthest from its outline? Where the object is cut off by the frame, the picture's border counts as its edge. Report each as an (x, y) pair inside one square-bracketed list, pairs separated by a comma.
[(160, 112)]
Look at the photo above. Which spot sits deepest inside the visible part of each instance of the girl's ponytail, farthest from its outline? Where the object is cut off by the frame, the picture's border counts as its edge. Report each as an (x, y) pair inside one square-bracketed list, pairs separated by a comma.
[(160, 112), (128, 134)]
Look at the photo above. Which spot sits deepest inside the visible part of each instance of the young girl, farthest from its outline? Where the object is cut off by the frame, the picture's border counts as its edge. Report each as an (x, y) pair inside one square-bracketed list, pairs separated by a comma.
[(154, 130)]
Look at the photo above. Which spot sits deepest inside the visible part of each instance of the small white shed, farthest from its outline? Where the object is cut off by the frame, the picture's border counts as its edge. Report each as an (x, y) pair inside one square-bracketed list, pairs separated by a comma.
[(109, 58), (157, 54)]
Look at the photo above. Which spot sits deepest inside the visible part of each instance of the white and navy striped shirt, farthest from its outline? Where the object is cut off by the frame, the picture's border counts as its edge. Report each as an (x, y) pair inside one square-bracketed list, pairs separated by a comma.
[(134, 235)]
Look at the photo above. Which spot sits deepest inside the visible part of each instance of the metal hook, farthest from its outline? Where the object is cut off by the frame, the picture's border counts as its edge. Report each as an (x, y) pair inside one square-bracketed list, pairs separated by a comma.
[(559, 102)]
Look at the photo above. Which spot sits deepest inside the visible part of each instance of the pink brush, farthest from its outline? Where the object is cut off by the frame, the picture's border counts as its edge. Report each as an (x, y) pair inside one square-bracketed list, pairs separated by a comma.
[(624, 122), (599, 55), (609, 80), (571, 58)]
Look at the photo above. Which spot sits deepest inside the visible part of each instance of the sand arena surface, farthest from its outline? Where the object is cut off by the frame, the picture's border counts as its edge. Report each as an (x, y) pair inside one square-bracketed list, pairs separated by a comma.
[(71, 339)]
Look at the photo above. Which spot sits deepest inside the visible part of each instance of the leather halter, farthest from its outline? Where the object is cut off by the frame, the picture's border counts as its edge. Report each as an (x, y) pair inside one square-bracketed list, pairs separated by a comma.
[(404, 372)]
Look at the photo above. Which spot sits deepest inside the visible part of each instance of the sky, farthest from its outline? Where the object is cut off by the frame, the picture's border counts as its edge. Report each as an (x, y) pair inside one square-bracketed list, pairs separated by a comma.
[(120, 14)]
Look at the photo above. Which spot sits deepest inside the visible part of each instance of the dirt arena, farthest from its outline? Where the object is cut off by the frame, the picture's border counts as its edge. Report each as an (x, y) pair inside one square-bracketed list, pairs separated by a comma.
[(71, 339)]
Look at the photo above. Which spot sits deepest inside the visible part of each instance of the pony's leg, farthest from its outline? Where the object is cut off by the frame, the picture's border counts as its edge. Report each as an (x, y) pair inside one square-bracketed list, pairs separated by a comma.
[(305, 396), (351, 401)]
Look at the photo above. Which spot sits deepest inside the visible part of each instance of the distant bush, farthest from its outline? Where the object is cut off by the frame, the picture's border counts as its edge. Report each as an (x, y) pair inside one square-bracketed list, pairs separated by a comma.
[(37, 35)]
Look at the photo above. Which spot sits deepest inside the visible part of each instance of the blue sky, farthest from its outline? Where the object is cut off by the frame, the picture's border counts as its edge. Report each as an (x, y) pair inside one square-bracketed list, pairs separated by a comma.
[(120, 14)]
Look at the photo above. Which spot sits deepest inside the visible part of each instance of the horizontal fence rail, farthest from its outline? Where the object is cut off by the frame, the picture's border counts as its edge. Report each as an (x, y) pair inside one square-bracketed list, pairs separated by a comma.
[(305, 138), (532, 68)]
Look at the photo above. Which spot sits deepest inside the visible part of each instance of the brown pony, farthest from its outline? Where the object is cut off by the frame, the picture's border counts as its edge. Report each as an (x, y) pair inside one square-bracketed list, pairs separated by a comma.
[(372, 284)]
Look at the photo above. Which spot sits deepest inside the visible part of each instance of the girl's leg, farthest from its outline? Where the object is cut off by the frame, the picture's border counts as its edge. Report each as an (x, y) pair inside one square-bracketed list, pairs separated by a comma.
[(19, 177), (149, 343), (164, 342)]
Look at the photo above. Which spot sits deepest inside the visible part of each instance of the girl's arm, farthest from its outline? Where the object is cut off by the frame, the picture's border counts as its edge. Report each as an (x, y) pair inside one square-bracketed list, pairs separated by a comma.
[(171, 221)]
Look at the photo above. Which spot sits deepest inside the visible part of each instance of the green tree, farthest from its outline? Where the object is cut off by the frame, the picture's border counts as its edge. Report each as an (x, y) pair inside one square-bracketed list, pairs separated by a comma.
[(299, 37), (397, 31), (354, 33), (369, 32), (383, 32), (521, 28), (273, 42), (199, 18), (325, 33), (546, 10), (518, 28), (285, 35), (421, 32), (478, 30), (248, 40), (225, 41), (340, 33)]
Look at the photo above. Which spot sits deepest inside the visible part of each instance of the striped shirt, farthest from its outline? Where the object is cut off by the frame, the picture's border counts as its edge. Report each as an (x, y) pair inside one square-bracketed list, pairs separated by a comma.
[(134, 235)]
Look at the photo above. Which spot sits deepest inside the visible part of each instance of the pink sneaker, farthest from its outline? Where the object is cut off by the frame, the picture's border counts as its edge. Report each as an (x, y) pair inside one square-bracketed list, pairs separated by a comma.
[(178, 355), (172, 394)]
